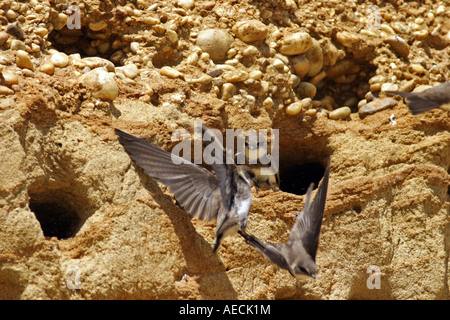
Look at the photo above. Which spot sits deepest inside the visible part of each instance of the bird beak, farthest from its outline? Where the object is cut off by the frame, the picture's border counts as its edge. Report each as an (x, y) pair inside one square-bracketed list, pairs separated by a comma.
[(313, 275)]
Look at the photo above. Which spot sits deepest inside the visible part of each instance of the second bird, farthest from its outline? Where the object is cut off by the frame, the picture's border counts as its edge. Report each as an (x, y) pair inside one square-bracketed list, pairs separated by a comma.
[(298, 255)]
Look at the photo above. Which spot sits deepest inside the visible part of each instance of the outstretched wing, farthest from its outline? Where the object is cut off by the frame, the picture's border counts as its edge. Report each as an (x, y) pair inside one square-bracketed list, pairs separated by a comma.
[(306, 230), (428, 99), (195, 188)]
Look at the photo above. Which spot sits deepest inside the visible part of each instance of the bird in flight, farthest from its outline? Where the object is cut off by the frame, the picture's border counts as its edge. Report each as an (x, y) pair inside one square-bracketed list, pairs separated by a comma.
[(225, 196), (298, 254)]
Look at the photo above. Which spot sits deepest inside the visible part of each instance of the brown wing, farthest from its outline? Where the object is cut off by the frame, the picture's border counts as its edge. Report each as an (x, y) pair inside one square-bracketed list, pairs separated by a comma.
[(195, 188)]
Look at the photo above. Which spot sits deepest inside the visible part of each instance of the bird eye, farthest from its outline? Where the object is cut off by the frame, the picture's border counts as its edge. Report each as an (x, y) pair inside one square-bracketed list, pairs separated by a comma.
[(303, 270)]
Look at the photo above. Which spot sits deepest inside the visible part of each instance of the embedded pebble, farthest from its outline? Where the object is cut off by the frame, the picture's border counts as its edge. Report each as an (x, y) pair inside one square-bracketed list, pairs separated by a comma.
[(268, 103), (4, 90), (101, 83), (389, 87), (235, 76), (23, 60), (170, 72), (249, 51), (377, 105), (134, 46), (315, 58), (416, 68), (228, 90), (307, 90), (420, 34), (192, 59), (3, 37), (250, 30), (216, 42), (186, 4), (60, 21), (130, 70), (204, 79), (10, 78), (300, 64), (347, 39), (255, 75), (340, 113), (406, 86), (18, 45), (95, 62), (59, 59), (294, 108), (296, 43), (399, 45), (215, 73), (48, 68)]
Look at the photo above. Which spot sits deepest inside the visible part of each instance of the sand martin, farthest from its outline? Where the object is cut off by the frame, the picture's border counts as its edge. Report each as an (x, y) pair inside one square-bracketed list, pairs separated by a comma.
[(225, 196), (298, 255), (423, 101)]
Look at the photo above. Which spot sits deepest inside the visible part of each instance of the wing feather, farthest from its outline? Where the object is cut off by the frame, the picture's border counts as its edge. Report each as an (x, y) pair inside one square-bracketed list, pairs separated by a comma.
[(195, 188)]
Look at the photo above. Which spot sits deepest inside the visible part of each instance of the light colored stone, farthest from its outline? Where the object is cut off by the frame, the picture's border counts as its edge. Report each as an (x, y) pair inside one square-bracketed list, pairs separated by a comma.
[(296, 43), (130, 70), (315, 58), (389, 87), (228, 90), (170, 72), (96, 62), (340, 113), (216, 42), (47, 67), (10, 78), (59, 59), (186, 4), (250, 30), (101, 83), (23, 60), (4, 90), (294, 108)]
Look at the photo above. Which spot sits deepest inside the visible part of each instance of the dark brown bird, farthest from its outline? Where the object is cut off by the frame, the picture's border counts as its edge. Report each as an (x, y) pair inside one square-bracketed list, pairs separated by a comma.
[(225, 196), (420, 102), (298, 255)]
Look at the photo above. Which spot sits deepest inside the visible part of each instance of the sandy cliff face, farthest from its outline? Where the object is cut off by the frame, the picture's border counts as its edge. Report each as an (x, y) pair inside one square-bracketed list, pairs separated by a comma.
[(79, 220)]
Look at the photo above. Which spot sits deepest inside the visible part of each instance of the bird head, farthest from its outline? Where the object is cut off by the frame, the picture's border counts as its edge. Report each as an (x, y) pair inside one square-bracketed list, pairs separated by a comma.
[(248, 175), (304, 268)]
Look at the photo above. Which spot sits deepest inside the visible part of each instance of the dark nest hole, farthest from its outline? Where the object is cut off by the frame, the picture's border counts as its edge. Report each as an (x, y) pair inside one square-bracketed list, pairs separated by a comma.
[(302, 162), (61, 213), (56, 219), (296, 179)]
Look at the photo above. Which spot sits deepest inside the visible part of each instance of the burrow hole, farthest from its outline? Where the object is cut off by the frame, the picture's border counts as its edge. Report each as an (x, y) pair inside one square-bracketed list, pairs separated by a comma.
[(60, 212), (302, 162)]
